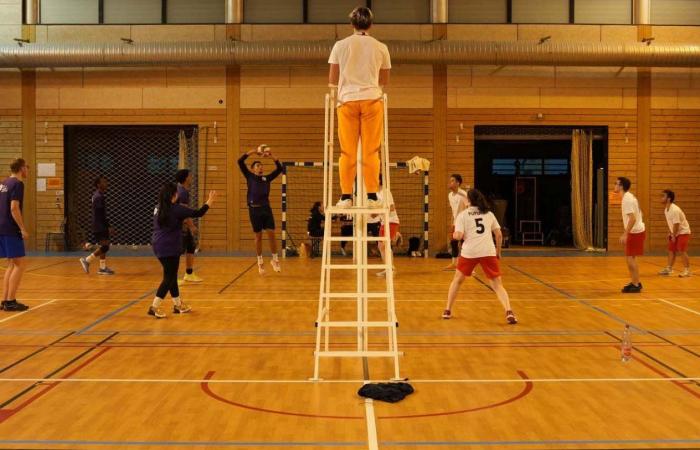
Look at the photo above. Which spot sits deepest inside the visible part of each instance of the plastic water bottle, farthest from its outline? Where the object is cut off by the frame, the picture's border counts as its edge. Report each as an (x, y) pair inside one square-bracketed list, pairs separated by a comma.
[(626, 346)]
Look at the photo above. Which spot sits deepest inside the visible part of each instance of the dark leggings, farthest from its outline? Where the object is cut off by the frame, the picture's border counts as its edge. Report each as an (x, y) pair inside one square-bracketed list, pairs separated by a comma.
[(170, 266), (455, 247)]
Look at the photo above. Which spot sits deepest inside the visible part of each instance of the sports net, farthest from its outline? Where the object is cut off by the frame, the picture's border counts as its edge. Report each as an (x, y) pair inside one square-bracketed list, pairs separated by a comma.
[(303, 186)]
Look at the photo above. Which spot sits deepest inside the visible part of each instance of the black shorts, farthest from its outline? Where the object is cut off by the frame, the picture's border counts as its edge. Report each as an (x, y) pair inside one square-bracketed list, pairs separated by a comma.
[(100, 236), (373, 229), (261, 218), (189, 244)]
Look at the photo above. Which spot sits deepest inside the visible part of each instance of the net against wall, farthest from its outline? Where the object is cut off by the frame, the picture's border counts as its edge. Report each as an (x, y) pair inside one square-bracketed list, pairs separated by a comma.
[(302, 185), (137, 161)]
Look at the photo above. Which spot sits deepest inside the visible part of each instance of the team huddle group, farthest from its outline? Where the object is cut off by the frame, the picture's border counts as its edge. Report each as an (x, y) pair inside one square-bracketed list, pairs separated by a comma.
[(359, 67)]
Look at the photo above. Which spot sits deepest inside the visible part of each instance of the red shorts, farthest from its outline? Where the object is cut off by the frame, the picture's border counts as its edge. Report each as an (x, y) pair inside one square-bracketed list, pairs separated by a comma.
[(489, 264), (680, 244), (635, 244), (393, 229)]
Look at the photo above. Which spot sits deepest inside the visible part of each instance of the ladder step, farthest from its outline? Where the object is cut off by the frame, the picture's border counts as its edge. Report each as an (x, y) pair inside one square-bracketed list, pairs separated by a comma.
[(351, 324), (356, 266), (354, 295), (357, 239), (358, 354)]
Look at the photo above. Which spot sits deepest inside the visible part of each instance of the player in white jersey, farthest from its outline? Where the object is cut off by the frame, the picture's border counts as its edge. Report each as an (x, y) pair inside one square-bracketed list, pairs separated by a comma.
[(385, 197), (458, 202), (678, 236), (634, 235), (477, 226)]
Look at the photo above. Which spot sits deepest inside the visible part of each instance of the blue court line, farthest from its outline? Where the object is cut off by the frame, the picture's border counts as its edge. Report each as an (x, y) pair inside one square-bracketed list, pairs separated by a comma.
[(113, 313)]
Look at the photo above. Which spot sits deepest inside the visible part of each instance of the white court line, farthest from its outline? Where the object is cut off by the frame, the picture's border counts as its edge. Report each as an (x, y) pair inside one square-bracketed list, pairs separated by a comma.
[(692, 311), (417, 381), (25, 312), (372, 441)]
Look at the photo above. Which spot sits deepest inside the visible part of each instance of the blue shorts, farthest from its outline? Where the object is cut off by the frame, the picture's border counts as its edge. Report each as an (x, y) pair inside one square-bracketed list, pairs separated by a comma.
[(11, 247)]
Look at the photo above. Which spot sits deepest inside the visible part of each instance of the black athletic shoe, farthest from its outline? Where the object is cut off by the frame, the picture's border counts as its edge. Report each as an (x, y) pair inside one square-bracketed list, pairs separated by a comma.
[(632, 289), (14, 306)]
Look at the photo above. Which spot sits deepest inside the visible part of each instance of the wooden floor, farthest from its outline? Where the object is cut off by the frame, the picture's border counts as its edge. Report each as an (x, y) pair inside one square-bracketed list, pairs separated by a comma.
[(85, 367)]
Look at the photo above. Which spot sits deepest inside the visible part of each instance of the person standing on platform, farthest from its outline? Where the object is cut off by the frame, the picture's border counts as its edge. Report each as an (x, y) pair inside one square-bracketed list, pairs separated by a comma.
[(634, 234), (359, 67)]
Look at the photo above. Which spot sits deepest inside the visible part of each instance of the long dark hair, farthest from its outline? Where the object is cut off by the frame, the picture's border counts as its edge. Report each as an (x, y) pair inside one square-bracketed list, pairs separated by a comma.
[(165, 202), (316, 209), (476, 198)]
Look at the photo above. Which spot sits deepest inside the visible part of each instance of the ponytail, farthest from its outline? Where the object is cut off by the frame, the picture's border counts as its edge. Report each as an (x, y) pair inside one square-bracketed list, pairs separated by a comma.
[(165, 202), (476, 198)]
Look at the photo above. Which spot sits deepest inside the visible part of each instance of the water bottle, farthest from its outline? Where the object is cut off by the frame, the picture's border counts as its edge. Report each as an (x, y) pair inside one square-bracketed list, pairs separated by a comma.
[(626, 346)]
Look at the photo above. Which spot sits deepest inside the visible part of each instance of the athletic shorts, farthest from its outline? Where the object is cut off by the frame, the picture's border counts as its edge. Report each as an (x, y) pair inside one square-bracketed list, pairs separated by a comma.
[(635, 244), (489, 264), (393, 229), (188, 242), (373, 229), (680, 244), (261, 218), (100, 236), (11, 247)]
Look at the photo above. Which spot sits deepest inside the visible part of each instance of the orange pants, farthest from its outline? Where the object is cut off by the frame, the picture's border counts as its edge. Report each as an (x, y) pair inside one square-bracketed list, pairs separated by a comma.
[(361, 119)]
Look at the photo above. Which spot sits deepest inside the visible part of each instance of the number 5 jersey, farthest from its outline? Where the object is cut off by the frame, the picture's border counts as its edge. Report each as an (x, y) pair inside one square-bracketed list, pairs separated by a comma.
[(477, 228)]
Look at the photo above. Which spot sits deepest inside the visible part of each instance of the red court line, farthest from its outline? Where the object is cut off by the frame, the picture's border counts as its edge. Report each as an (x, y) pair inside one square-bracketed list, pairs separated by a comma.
[(7, 413), (665, 375), (526, 390)]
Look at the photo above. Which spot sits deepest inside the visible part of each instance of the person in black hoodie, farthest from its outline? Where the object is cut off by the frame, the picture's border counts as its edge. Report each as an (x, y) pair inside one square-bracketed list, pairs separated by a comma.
[(315, 227), (167, 244)]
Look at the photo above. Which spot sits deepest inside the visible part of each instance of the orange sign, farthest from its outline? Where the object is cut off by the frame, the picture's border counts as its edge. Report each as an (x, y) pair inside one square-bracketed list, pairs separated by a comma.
[(53, 183)]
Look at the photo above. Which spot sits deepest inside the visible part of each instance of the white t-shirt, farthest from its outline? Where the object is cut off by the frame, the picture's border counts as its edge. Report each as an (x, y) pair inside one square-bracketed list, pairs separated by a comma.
[(456, 200), (674, 215), (388, 200), (630, 205), (477, 229), (360, 57)]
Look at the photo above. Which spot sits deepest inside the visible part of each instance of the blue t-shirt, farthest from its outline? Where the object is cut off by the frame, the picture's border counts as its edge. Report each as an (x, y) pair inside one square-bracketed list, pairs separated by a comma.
[(167, 239), (100, 223), (10, 189)]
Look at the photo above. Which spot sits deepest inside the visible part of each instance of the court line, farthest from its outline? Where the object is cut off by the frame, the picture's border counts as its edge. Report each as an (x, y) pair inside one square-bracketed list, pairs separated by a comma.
[(549, 442), (113, 313), (237, 277), (350, 381), (21, 360), (690, 310), (28, 310), (371, 425), (214, 444)]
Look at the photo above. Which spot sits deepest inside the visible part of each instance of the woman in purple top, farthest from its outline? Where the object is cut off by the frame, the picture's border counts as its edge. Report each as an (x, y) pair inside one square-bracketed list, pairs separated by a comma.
[(167, 244)]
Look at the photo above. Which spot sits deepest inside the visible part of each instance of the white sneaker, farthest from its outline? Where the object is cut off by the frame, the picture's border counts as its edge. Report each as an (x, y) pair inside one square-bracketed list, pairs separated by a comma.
[(276, 266), (685, 274), (347, 203), (666, 271), (374, 203), (381, 274), (343, 252), (261, 269)]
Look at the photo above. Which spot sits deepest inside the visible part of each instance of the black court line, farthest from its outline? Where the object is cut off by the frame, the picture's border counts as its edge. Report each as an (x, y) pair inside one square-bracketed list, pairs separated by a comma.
[(54, 372), (674, 344), (46, 347), (483, 282), (47, 266), (237, 277)]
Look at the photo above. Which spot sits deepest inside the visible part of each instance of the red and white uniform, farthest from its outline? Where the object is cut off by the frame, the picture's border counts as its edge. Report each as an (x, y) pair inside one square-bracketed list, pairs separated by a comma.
[(675, 215), (385, 197), (635, 239), (478, 247)]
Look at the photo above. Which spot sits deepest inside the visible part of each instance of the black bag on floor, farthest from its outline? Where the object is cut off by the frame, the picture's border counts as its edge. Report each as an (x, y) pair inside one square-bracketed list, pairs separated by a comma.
[(386, 392)]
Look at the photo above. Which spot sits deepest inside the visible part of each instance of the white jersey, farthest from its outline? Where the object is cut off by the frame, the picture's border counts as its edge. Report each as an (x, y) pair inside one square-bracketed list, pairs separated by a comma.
[(458, 200), (385, 197), (360, 58), (477, 228), (675, 215), (630, 205)]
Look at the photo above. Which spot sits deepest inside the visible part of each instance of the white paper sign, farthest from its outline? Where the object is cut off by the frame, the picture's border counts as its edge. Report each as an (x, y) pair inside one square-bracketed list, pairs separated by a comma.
[(41, 184), (46, 170)]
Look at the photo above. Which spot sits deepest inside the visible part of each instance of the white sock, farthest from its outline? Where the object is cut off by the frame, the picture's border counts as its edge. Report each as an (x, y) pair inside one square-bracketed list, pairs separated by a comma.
[(260, 259), (177, 301), (275, 257), (90, 258), (156, 302), (103, 263)]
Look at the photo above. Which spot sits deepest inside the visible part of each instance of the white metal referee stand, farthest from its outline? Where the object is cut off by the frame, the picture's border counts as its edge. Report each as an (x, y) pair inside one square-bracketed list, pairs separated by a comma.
[(359, 212)]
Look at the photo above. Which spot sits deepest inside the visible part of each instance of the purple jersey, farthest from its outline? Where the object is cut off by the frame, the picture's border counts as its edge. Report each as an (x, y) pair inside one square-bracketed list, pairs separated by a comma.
[(100, 222), (183, 195), (167, 238), (258, 186), (10, 189)]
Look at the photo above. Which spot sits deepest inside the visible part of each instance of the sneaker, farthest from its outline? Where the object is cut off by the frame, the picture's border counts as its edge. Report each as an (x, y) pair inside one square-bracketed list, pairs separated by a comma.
[(685, 274), (261, 269), (347, 203), (276, 266), (447, 314), (374, 203), (666, 271), (192, 278), (381, 274), (632, 289), (14, 306), (105, 271), (510, 317), (156, 312), (182, 309), (86, 265), (343, 252)]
